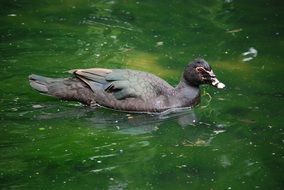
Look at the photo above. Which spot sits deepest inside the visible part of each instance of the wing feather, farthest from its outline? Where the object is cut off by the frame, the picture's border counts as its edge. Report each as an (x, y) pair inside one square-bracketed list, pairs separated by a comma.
[(122, 83)]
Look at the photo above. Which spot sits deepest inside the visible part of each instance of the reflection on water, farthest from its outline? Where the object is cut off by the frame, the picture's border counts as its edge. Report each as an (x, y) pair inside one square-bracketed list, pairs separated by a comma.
[(130, 123)]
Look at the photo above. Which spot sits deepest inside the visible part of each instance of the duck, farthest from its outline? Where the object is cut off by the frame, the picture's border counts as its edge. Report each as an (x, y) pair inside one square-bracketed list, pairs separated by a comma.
[(129, 90)]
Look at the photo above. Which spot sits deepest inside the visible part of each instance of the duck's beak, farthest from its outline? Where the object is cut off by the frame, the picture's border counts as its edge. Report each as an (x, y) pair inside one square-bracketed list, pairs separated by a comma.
[(214, 81), (217, 83), (209, 77)]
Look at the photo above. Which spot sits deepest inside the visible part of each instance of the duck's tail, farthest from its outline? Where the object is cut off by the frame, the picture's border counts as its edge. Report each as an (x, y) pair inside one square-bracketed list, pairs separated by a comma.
[(62, 88), (40, 83)]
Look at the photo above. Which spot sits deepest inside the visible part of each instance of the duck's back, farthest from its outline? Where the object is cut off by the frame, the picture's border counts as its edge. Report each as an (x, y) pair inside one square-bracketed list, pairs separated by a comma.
[(126, 89)]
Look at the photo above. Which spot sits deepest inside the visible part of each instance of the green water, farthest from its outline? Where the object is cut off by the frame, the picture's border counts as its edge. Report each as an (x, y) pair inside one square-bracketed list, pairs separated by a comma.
[(232, 141)]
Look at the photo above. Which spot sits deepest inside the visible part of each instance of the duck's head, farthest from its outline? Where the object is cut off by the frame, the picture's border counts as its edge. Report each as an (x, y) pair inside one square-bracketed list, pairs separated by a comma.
[(199, 72)]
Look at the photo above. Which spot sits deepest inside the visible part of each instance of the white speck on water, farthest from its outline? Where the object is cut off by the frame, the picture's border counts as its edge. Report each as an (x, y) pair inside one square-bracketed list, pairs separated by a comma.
[(11, 15), (102, 156), (103, 169), (250, 54), (218, 131), (252, 51), (159, 44), (247, 59), (99, 161), (229, 187), (182, 166), (113, 37), (273, 153), (37, 106)]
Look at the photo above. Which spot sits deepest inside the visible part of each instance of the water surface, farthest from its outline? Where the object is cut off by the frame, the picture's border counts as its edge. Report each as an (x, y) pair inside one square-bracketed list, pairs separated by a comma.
[(232, 140)]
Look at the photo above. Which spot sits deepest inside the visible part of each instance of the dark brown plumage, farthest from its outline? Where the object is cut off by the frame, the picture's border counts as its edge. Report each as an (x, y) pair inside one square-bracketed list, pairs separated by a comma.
[(129, 90)]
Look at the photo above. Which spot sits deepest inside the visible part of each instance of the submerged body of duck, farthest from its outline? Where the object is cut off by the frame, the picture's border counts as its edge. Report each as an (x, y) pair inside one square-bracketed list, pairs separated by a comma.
[(129, 90)]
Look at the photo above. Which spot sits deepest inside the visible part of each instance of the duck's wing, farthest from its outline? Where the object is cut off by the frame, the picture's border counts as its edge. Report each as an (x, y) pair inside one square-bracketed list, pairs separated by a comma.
[(124, 83)]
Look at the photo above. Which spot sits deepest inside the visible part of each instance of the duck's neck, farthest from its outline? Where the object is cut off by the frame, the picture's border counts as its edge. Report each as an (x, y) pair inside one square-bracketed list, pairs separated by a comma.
[(183, 84), (188, 93)]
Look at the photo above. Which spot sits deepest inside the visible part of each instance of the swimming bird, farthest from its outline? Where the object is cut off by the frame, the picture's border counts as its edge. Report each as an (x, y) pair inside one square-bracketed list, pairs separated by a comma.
[(129, 90)]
